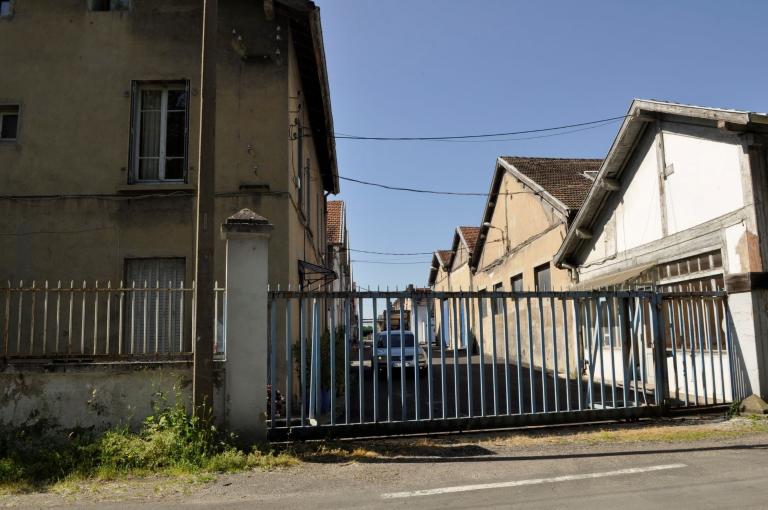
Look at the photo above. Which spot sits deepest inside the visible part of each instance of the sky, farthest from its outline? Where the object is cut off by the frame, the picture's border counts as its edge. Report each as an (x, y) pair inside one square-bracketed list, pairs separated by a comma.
[(458, 67)]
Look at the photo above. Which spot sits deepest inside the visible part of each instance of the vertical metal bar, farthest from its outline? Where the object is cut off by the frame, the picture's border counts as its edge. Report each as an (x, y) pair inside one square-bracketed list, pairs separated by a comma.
[(643, 344), (181, 317), (621, 322), (443, 334), (272, 362), (32, 318), (518, 357), (430, 337), (403, 384), (109, 316), (388, 325), (599, 347), (96, 317), (169, 320), (360, 360), (303, 358), (673, 340), (347, 330), (542, 334), (469, 348), (416, 356), (729, 348), (683, 336), (577, 350), (58, 314), (659, 349), (481, 313), (610, 302), (698, 314), (507, 382), (288, 362), (564, 302), (71, 312), (590, 360), (708, 334), (45, 319), (144, 323), (157, 316), (216, 315), (18, 320), (82, 321), (692, 344), (634, 347), (332, 350), (555, 367), (530, 356), (455, 337), (374, 364), (494, 375), (716, 308)]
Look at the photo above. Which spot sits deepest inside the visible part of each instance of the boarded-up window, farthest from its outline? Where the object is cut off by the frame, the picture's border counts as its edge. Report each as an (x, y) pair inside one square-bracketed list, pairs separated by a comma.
[(154, 313), (543, 278)]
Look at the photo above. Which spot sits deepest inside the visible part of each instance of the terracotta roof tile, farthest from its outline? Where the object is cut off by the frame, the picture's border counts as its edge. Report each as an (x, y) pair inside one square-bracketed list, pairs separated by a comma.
[(470, 235), (444, 256), (563, 178), (334, 222)]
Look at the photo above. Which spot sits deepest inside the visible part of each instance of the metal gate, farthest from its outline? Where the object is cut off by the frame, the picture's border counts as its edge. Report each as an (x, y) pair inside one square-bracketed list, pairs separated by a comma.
[(355, 364)]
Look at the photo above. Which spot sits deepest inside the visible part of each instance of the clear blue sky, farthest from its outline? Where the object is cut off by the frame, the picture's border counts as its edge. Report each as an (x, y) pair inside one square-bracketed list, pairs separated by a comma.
[(453, 67)]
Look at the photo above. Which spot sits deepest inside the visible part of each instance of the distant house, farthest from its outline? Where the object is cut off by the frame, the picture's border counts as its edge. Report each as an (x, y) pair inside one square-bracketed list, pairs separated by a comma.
[(338, 258), (453, 274), (679, 203)]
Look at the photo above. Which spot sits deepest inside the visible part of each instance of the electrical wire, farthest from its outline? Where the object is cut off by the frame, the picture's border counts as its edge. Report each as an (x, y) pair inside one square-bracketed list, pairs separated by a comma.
[(434, 192), (342, 136), (391, 253), (388, 263)]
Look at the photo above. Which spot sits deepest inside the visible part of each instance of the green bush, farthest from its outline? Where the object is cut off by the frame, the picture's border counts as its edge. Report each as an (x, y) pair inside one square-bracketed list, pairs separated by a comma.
[(171, 440)]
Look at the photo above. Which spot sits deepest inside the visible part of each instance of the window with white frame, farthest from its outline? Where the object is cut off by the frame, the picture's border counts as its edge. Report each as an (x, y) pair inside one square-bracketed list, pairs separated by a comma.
[(160, 132), (9, 122), (6, 8)]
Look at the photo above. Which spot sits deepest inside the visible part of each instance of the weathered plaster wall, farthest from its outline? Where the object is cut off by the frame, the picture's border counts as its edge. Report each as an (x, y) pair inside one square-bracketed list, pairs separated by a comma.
[(97, 395)]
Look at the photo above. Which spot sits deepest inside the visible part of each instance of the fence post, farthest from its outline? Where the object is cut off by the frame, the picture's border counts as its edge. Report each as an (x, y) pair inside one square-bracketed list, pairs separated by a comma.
[(246, 366), (660, 351)]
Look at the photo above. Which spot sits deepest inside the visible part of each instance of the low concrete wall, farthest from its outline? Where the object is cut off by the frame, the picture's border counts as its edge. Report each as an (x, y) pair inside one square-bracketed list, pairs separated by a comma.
[(93, 395)]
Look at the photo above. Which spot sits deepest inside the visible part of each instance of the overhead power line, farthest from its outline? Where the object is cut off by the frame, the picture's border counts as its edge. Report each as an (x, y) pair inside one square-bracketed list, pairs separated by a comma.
[(388, 263), (392, 253), (433, 192), (342, 136)]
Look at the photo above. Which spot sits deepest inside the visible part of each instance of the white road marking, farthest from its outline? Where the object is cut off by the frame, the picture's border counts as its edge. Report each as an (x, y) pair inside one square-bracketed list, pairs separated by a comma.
[(534, 481)]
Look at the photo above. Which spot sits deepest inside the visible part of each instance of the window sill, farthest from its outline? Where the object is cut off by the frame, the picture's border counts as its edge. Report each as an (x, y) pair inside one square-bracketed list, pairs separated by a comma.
[(147, 188)]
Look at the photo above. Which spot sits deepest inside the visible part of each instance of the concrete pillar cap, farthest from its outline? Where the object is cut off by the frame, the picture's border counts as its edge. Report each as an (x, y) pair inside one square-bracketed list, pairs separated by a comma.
[(246, 221)]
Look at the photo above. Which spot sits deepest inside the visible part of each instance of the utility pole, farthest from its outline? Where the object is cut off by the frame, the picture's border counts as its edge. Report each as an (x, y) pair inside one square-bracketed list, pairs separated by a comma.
[(202, 379)]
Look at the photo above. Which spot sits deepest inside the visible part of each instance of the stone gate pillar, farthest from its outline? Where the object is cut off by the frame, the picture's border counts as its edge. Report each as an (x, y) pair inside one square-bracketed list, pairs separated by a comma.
[(247, 236)]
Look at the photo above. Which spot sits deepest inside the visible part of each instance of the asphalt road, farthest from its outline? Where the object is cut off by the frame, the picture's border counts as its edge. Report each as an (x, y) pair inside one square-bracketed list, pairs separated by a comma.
[(701, 475)]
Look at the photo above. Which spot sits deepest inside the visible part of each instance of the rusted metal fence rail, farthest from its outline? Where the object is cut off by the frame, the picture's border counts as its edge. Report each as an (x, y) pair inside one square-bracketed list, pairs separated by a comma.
[(126, 321)]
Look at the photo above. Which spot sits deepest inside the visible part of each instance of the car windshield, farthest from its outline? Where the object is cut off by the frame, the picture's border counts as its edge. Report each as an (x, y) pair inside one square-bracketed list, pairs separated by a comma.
[(395, 339)]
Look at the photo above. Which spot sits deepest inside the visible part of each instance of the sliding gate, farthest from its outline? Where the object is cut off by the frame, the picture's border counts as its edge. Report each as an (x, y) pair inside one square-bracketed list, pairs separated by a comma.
[(354, 364)]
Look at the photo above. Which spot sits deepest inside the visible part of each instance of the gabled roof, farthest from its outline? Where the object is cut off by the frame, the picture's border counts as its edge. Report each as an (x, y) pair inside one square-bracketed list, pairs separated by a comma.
[(468, 236), (335, 222), (440, 259), (561, 182), (563, 178), (641, 114)]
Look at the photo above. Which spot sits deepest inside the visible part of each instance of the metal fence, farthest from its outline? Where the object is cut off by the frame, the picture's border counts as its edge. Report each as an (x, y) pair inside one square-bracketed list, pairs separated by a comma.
[(127, 322), (497, 358)]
